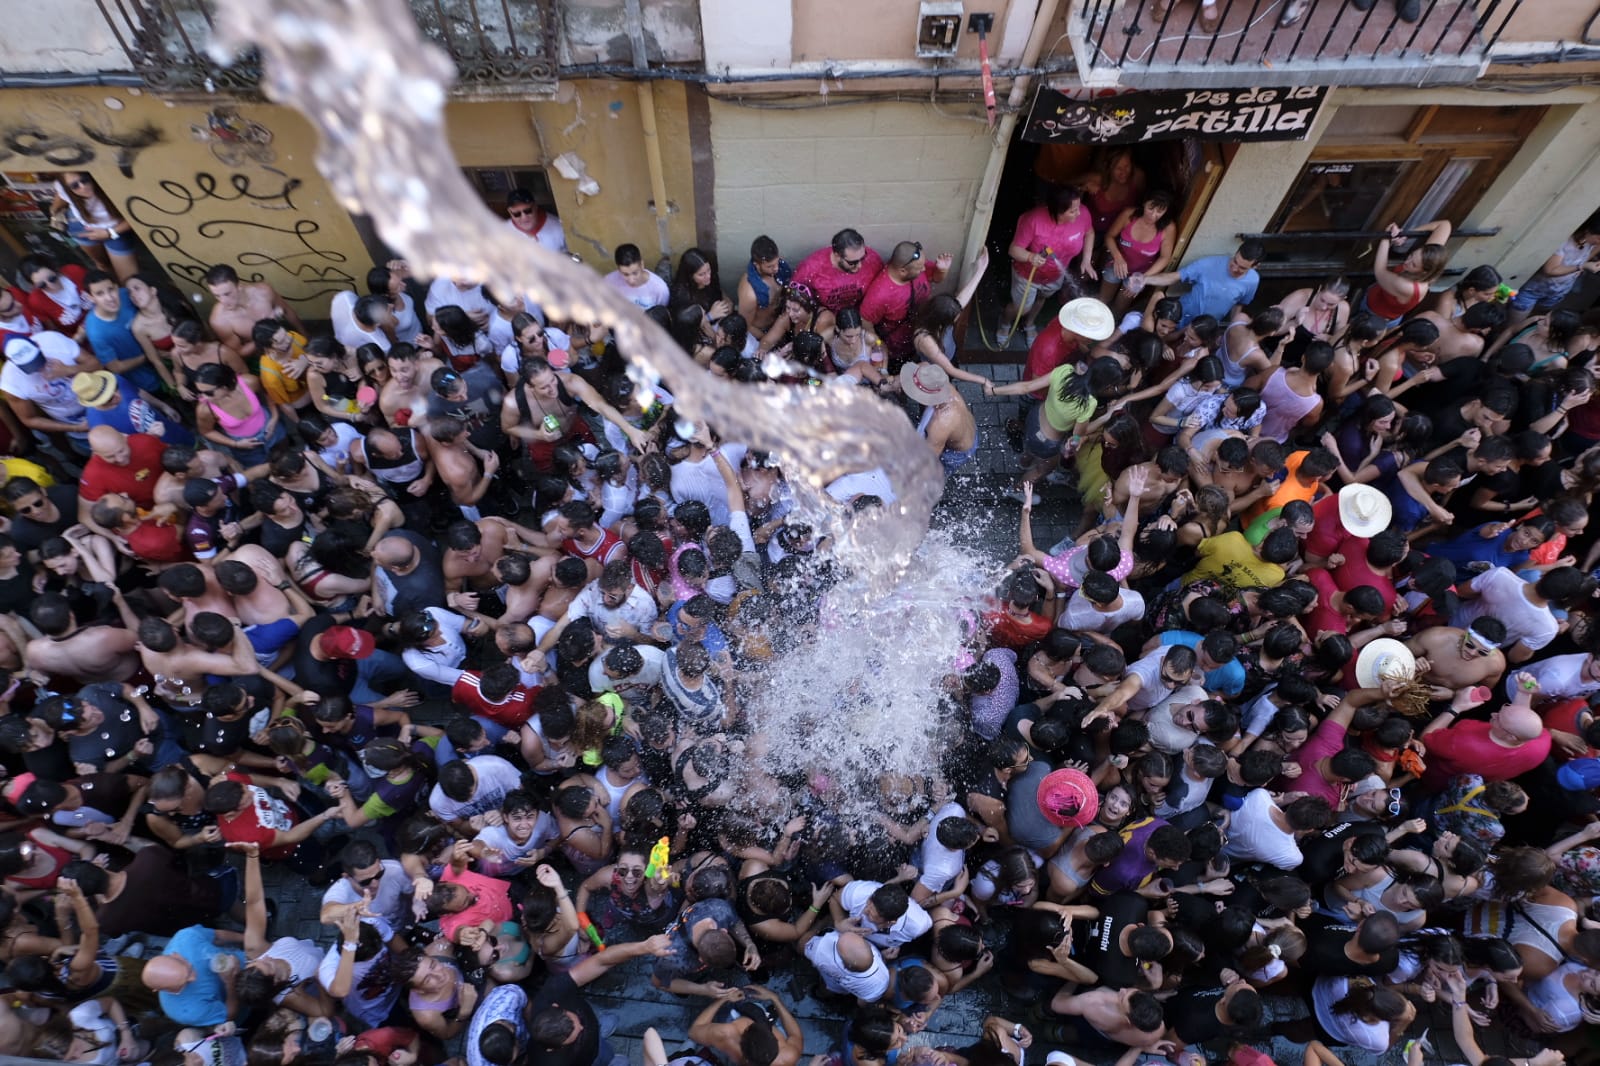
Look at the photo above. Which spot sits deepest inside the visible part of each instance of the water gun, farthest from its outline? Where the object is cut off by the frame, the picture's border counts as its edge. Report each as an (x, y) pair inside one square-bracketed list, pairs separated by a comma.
[(660, 857), (586, 927)]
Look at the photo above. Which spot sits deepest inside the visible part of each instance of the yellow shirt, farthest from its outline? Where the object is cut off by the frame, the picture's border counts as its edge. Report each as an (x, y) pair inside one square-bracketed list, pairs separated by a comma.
[(16, 468), (1229, 558), (282, 389)]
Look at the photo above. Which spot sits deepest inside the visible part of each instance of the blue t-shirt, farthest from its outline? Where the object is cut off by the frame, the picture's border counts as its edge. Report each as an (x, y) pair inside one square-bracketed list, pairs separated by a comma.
[(1227, 679), (1214, 291), (1471, 546), (203, 1001), (114, 341), (714, 641)]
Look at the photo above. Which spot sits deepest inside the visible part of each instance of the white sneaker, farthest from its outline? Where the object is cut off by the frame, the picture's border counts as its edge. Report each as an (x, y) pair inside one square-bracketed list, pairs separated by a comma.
[(1002, 337), (1030, 334)]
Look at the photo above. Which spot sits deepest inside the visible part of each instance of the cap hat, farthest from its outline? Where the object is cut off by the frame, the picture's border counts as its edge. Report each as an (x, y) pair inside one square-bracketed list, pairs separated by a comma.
[(94, 389), (926, 383), (347, 642), (1068, 798), (1088, 318), (1363, 510), (1384, 659)]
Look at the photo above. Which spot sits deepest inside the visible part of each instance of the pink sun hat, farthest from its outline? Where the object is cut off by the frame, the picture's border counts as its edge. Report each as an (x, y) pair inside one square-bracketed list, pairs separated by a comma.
[(1068, 798)]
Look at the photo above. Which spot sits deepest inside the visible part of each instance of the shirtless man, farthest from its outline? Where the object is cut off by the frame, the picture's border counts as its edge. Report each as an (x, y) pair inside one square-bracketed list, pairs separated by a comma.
[(196, 589), (466, 470), (84, 654), (240, 305), (1240, 468), (1451, 660), (1161, 475), (269, 605), (769, 264), (1465, 337), (1130, 1017), (556, 396), (183, 667), (405, 395), (179, 463), (471, 550)]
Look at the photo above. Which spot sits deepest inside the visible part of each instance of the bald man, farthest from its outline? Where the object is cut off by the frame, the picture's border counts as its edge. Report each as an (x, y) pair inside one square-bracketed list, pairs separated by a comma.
[(410, 573), (124, 463), (1512, 742), (190, 991), (849, 965), (895, 295)]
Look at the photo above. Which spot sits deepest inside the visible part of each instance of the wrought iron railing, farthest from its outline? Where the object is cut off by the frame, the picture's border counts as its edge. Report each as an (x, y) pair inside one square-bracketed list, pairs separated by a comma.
[(1148, 35), (496, 44)]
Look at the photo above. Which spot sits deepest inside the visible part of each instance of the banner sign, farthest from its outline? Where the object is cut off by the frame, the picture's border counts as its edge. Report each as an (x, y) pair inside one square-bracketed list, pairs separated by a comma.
[(1277, 114)]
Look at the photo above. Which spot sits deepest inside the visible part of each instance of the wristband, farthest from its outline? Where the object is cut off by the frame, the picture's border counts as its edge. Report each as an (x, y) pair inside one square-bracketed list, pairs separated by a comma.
[(348, 946), (813, 910)]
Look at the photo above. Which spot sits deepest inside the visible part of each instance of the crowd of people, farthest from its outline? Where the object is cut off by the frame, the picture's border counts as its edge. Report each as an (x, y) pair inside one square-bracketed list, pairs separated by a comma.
[(435, 609)]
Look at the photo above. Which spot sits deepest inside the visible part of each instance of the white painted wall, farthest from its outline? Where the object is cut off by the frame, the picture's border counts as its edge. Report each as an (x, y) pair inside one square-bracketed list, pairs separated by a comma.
[(894, 171), (747, 35)]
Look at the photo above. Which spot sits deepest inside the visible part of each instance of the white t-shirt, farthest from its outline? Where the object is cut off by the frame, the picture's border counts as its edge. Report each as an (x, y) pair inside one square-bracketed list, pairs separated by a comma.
[(1148, 671), (1081, 614), (369, 1011), (630, 688), (496, 777), (1500, 594), (441, 663), (638, 610), (349, 332), (653, 293), (872, 482), (939, 864), (1166, 734), (550, 235), (1346, 1028), (702, 480), (854, 898), (496, 837), (338, 454), (443, 293), (52, 396), (391, 903), (1254, 837), (871, 986), (1560, 678), (304, 959)]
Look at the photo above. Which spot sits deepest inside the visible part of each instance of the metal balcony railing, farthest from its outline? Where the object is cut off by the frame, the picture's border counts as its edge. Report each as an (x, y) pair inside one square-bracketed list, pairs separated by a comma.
[(1161, 43), (496, 44)]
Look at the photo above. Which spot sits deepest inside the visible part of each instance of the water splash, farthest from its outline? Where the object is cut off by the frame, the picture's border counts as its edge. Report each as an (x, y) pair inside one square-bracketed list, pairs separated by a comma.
[(375, 90), (860, 697)]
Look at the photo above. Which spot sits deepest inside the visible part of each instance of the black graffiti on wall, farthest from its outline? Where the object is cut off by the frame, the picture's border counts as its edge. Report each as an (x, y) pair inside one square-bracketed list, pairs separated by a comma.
[(62, 151), (284, 245)]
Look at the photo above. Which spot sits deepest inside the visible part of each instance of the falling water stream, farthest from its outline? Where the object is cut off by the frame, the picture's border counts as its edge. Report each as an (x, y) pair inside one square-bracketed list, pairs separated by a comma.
[(859, 695)]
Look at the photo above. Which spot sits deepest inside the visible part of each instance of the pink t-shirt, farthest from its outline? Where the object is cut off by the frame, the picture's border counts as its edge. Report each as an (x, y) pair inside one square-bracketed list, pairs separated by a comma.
[(1327, 740), (837, 289), (493, 902), (1036, 231), (1467, 748)]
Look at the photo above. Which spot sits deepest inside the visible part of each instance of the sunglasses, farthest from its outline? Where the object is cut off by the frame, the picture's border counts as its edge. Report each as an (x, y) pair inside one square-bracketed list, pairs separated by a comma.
[(524, 213), (81, 183), (852, 264), (374, 879), (918, 253), (25, 508), (1394, 802)]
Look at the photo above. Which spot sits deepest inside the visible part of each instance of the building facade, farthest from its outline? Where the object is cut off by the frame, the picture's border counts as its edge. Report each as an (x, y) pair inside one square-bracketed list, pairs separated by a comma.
[(672, 123)]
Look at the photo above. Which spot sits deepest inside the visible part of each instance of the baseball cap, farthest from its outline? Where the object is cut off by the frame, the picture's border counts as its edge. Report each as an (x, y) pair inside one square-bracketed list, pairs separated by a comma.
[(25, 355), (347, 642)]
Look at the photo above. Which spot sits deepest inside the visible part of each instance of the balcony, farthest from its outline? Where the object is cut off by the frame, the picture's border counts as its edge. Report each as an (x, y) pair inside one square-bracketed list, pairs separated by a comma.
[(499, 46), (1148, 44)]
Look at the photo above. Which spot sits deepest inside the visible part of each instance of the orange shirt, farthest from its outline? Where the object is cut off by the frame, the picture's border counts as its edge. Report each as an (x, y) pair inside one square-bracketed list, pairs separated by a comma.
[(1291, 488)]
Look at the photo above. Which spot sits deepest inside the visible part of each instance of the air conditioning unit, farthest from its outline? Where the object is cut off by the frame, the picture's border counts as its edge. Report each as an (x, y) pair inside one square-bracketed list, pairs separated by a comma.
[(938, 28)]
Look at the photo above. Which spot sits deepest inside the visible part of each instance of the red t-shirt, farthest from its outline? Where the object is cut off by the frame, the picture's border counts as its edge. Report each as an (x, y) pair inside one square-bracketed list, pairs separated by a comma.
[(1327, 529), (1467, 748), (1006, 632), (1324, 617), (1036, 231), (258, 823), (604, 550), (159, 542), (51, 314), (1355, 572), (1049, 350), (510, 712), (837, 289), (137, 480), (891, 307), (1327, 740), (493, 902)]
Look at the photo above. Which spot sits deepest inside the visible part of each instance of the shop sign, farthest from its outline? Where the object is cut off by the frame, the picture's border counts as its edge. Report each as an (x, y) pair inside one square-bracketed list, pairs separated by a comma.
[(1261, 114)]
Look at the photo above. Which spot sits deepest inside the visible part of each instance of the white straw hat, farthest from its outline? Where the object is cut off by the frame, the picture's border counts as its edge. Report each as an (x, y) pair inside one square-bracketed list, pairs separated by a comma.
[(1088, 318), (1363, 510), (1384, 659)]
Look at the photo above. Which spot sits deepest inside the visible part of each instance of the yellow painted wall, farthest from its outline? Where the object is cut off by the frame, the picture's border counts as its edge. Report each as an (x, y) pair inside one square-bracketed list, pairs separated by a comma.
[(599, 121), (200, 186)]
